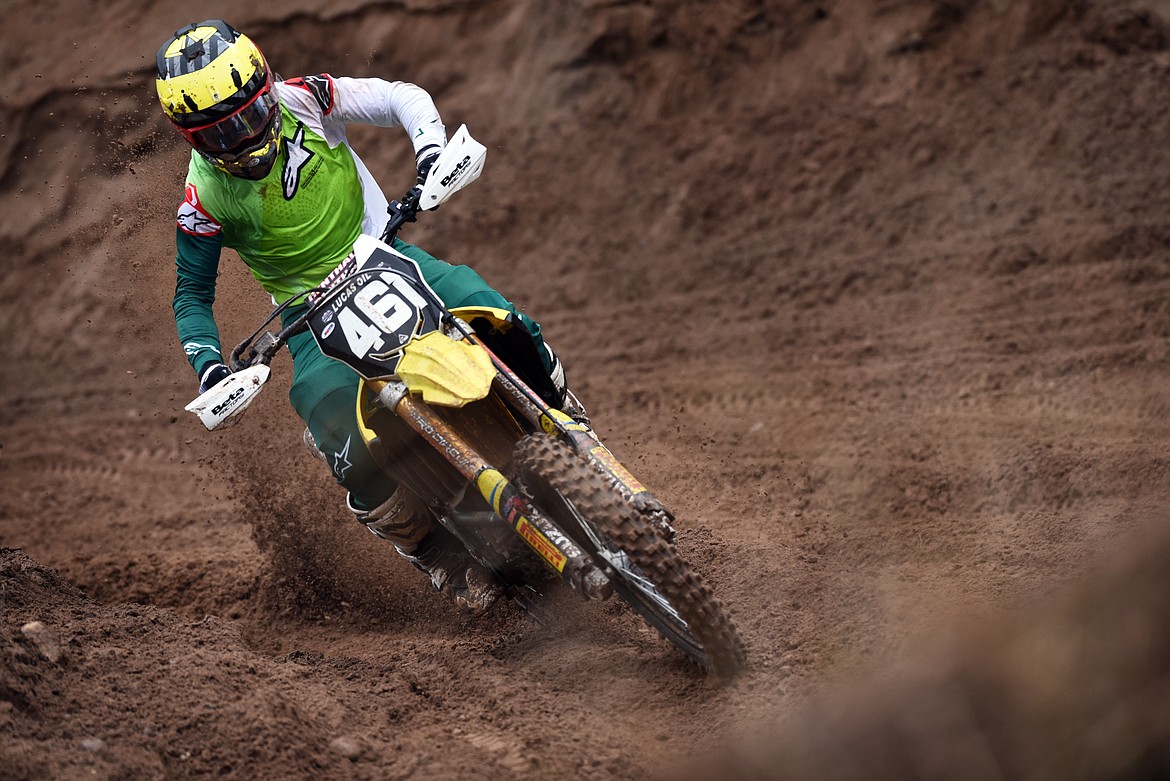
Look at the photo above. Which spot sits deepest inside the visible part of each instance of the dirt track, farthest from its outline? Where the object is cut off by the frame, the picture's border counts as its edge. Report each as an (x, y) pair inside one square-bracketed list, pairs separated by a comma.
[(875, 295)]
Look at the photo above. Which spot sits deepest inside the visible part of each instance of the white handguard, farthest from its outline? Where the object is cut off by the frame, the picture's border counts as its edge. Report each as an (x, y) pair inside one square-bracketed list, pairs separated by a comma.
[(459, 164), (221, 406)]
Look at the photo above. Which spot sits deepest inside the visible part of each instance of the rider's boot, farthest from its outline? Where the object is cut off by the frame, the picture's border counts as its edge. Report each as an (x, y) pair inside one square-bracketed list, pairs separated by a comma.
[(311, 444), (570, 404), (407, 523)]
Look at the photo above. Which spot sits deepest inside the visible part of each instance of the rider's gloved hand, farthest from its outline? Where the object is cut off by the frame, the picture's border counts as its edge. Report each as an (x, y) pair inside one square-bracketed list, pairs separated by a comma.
[(213, 375), (425, 160)]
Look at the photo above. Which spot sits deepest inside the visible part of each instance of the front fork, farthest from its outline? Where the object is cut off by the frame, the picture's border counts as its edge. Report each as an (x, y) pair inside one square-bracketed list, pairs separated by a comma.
[(574, 566), (557, 423)]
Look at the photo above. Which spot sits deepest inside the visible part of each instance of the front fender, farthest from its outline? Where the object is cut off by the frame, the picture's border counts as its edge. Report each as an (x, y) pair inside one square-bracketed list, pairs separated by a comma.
[(446, 372)]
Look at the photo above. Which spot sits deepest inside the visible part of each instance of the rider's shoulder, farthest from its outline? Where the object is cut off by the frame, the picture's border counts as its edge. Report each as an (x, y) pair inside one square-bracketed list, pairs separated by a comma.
[(319, 90)]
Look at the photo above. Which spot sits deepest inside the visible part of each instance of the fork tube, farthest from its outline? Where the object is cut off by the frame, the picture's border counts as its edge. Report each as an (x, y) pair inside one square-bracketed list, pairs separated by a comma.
[(556, 422), (543, 536), (533, 408)]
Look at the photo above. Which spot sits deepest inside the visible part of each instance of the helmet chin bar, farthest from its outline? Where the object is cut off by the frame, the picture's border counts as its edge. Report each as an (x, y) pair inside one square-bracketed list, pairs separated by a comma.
[(252, 168)]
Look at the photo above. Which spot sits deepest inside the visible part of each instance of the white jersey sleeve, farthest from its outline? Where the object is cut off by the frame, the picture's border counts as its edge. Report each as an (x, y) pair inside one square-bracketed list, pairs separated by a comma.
[(389, 104), (332, 103)]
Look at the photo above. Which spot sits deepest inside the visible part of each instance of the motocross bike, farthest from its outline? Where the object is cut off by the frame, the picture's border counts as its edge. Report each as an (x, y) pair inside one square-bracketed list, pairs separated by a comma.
[(456, 406)]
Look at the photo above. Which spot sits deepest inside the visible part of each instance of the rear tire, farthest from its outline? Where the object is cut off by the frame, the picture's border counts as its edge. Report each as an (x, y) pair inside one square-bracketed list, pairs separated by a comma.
[(648, 571)]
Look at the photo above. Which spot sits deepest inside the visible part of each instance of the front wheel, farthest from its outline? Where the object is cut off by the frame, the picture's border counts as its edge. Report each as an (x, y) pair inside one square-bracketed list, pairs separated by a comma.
[(646, 569)]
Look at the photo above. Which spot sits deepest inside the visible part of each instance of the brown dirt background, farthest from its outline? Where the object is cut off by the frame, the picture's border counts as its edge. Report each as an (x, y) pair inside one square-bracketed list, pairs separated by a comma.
[(875, 294)]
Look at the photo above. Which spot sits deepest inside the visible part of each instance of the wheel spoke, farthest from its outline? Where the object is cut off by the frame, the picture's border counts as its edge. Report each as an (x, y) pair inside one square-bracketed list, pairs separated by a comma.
[(619, 560)]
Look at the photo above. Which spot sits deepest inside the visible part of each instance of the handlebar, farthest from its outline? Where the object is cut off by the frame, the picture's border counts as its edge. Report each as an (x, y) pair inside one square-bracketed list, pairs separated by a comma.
[(401, 212)]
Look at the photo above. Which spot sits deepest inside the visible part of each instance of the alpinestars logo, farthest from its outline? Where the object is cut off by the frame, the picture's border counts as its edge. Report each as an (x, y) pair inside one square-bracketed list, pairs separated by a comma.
[(341, 462), (192, 217), (298, 158)]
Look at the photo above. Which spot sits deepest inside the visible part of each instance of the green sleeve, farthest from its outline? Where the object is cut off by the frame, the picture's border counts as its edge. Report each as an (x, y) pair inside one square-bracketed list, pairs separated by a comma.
[(197, 265)]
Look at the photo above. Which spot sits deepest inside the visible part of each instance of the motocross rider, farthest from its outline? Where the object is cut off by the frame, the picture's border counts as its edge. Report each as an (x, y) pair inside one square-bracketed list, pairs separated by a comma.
[(273, 177)]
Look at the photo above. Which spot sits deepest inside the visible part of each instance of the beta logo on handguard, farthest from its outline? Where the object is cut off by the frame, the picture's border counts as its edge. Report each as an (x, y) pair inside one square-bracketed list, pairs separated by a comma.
[(228, 403), (459, 169)]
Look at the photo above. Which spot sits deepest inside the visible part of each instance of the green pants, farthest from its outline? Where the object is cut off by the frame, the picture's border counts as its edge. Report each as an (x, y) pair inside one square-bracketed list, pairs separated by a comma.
[(324, 391)]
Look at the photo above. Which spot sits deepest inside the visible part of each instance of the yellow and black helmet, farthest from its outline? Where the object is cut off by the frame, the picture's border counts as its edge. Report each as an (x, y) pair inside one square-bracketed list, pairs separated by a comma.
[(216, 87)]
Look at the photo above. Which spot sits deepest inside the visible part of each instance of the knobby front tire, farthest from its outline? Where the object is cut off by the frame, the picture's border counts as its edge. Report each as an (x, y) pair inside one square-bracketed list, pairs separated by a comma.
[(648, 571)]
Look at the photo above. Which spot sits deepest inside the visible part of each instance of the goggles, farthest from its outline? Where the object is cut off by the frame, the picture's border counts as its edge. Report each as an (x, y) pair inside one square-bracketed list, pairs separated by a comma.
[(238, 130)]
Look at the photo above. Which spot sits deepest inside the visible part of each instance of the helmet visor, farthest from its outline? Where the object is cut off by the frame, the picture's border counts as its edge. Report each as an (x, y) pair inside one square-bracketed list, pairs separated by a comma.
[(238, 130)]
